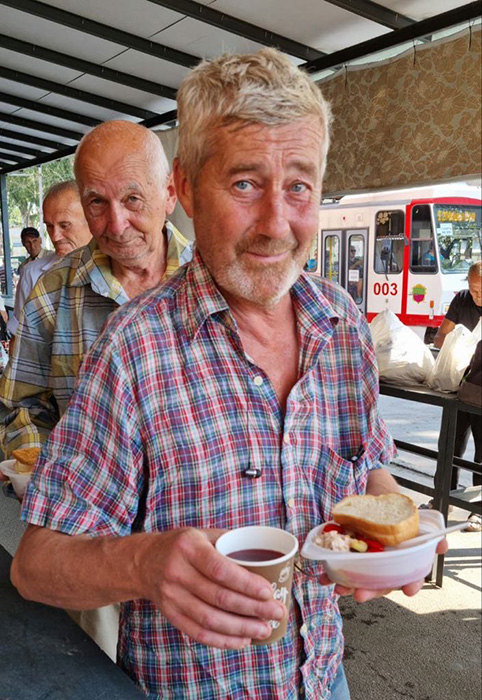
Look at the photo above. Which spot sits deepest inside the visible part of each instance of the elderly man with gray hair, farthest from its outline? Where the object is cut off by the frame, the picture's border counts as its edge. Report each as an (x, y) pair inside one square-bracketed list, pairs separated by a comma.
[(238, 393), (126, 192)]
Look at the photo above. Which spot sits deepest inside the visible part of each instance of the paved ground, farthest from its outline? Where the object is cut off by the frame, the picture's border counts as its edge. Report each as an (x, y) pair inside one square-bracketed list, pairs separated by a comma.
[(427, 647), (398, 648)]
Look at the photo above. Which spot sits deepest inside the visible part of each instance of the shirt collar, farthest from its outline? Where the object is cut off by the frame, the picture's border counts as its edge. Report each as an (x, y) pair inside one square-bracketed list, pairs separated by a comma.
[(315, 314), (94, 268)]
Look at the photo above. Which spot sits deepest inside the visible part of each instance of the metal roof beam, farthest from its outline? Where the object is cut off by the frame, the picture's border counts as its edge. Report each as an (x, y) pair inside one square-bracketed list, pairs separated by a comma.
[(40, 126), (21, 149), (42, 108), (103, 31), (30, 139), (368, 10), (66, 151), (47, 158), (74, 94), (78, 64), (13, 158), (398, 36), (237, 26)]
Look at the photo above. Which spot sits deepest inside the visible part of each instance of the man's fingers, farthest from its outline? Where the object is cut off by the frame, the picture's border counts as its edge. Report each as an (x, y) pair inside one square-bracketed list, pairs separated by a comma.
[(203, 636), (442, 546), (214, 587), (215, 620)]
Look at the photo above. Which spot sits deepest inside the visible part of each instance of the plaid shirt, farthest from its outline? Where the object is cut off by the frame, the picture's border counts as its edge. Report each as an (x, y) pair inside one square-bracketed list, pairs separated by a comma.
[(62, 317), (167, 414)]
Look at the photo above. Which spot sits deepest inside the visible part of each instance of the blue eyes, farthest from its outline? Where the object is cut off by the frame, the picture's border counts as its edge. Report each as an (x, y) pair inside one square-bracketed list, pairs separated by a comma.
[(245, 185), (298, 187), (242, 185)]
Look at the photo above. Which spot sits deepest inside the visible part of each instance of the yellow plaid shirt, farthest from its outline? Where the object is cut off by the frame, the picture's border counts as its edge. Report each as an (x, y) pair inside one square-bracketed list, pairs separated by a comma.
[(61, 319)]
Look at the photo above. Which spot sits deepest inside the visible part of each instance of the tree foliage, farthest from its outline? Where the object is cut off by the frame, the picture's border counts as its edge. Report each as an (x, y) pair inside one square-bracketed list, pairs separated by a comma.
[(23, 190)]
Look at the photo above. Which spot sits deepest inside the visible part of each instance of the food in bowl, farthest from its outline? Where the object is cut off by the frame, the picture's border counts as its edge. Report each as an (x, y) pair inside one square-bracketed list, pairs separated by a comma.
[(389, 519), (336, 538), (390, 569)]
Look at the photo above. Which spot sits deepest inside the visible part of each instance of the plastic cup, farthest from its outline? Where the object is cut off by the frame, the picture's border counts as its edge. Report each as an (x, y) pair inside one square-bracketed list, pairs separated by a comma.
[(275, 565)]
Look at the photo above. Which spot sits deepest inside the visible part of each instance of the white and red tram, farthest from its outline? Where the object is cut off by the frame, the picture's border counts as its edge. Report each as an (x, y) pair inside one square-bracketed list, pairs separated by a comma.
[(405, 250)]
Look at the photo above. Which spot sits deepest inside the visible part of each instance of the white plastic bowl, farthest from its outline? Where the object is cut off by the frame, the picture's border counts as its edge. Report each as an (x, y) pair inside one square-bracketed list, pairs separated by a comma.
[(19, 481), (391, 568)]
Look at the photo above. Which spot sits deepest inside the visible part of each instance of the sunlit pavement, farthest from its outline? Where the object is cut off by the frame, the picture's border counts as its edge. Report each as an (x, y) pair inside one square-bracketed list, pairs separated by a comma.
[(427, 647)]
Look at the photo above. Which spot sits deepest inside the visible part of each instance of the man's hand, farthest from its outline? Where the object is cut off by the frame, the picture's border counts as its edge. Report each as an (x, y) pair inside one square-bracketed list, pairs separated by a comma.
[(362, 595), (211, 599)]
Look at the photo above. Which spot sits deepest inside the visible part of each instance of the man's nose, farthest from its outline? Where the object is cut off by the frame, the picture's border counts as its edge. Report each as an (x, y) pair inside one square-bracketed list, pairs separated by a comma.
[(273, 218), (55, 233), (117, 221)]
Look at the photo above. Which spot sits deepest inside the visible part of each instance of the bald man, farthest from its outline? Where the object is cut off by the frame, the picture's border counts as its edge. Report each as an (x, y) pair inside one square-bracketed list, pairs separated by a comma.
[(67, 229), (126, 192)]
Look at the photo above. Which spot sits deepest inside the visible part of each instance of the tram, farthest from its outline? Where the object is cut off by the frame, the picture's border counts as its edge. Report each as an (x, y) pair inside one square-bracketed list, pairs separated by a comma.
[(405, 250)]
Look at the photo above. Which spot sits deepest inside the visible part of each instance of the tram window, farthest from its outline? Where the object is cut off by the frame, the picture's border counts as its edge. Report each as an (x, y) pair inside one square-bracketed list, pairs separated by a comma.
[(389, 242), (459, 236), (422, 252), (356, 267), (331, 258)]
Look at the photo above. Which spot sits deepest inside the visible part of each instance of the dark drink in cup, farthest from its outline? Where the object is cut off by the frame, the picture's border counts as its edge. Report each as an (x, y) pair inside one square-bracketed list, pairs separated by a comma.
[(268, 552)]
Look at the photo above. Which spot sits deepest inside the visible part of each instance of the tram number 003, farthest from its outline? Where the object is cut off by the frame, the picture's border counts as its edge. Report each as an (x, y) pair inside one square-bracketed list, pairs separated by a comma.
[(385, 288)]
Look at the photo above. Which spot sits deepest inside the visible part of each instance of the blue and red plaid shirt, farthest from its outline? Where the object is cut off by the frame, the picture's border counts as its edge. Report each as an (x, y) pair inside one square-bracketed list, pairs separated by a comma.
[(169, 411)]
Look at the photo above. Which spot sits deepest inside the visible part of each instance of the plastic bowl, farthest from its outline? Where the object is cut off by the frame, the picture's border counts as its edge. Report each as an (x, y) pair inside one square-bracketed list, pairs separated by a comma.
[(389, 569), (19, 481)]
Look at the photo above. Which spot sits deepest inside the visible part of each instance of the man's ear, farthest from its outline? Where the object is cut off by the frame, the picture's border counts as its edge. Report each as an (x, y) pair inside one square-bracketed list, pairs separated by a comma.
[(183, 188), (171, 196)]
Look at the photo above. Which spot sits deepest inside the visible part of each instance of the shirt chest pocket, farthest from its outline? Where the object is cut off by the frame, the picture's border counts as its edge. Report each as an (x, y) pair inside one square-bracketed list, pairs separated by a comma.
[(337, 478)]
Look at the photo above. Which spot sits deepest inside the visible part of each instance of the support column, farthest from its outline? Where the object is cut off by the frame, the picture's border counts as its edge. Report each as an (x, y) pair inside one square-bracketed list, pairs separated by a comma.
[(6, 236)]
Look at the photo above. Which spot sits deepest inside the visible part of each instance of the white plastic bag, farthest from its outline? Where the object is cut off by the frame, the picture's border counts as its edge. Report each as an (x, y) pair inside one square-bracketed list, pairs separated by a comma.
[(454, 357), (402, 356)]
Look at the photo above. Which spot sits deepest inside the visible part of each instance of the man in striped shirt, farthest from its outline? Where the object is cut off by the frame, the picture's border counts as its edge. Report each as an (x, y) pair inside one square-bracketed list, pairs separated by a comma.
[(239, 366)]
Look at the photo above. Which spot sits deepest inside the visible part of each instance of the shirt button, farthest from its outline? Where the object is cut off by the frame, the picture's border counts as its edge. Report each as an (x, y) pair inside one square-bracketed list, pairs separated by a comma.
[(303, 630), (291, 503), (258, 380), (286, 439)]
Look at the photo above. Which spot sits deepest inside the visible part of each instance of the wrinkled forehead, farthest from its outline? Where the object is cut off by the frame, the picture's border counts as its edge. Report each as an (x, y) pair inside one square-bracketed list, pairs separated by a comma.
[(62, 206), (116, 165)]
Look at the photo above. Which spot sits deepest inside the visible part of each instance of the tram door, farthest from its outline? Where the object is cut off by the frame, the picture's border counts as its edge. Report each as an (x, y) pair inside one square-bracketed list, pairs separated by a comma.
[(344, 260)]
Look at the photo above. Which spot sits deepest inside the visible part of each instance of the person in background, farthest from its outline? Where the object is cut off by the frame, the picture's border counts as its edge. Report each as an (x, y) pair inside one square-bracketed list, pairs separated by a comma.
[(466, 308), (240, 366), (126, 192), (32, 243), (355, 270), (67, 229)]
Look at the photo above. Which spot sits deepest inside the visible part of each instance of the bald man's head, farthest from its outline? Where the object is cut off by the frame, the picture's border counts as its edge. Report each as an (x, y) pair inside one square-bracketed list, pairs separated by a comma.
[(123, 139), (126, 190)]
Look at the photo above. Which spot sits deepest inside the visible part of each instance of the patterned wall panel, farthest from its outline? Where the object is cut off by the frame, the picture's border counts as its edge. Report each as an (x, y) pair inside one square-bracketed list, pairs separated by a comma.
[(415, 119)]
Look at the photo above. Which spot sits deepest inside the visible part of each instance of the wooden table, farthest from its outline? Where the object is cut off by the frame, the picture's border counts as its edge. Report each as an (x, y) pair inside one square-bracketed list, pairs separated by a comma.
[(444, 456), (44, 654)]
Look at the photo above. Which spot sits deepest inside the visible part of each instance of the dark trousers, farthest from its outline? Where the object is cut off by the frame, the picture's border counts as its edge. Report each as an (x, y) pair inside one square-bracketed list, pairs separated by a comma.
[(465, 423)]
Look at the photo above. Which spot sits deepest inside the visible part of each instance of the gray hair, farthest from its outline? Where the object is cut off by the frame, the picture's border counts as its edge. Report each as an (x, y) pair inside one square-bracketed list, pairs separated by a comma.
[(261, 88), (61, 187), (137, 136)]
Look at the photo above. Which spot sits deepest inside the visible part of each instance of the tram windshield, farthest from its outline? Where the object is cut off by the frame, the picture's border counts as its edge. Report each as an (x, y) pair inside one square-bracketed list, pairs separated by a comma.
[(459, 236)]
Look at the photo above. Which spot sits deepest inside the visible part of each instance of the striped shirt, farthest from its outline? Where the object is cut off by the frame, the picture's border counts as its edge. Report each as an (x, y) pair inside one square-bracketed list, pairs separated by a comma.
[(61, 319), (168, 413)]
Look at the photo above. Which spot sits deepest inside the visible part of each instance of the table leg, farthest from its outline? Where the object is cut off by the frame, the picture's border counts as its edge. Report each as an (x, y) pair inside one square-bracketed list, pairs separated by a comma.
[(443, 473)]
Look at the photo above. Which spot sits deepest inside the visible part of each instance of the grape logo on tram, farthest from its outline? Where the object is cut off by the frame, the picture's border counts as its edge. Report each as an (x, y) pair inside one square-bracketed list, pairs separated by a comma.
[(418, 292)]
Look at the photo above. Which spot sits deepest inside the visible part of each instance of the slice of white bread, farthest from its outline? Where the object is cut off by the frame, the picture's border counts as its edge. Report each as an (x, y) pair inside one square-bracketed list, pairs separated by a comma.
[(390, 519)]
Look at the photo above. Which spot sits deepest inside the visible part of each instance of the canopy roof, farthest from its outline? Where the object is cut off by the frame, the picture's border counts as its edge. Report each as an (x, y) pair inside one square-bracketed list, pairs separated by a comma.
[(62, 72)]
